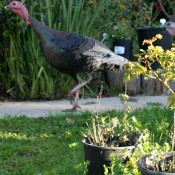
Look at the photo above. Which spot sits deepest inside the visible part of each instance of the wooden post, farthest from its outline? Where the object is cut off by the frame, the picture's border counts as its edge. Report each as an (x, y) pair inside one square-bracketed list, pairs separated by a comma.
[(151, 86), (115, 80), (133, 86)]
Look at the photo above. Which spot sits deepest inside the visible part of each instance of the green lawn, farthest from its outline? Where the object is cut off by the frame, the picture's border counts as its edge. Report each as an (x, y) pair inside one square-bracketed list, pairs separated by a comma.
[(52, 145)]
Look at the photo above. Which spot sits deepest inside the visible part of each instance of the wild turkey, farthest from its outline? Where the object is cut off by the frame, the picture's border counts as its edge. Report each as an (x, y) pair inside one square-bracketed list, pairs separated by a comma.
[(170, 27), (70, 53)]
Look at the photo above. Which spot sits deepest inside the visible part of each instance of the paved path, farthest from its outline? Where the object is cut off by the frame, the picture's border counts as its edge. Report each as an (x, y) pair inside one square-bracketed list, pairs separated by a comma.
[(37, 109)]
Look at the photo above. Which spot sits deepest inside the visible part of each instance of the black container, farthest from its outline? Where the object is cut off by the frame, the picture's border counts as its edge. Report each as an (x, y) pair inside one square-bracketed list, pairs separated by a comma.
[(126, 47), (149, 33), (99, 156)]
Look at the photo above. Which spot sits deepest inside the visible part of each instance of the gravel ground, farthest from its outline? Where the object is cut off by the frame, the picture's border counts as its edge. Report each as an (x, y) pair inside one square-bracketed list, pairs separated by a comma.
[(44, 108)]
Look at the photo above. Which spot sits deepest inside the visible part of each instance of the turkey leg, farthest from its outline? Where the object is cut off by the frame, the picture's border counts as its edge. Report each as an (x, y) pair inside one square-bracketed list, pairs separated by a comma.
[(74, 93)]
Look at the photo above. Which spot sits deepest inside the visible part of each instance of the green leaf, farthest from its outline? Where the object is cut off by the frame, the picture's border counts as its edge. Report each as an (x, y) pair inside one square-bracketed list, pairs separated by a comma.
[(126, 78)]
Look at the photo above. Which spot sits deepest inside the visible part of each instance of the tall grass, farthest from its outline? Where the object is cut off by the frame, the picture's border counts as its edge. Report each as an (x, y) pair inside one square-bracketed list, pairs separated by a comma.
[(29, 69), (30, 76)]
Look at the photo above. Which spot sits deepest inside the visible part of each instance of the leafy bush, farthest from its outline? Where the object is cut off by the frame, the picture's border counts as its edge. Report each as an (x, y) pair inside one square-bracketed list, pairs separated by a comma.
[(27, 75), (83, 16)]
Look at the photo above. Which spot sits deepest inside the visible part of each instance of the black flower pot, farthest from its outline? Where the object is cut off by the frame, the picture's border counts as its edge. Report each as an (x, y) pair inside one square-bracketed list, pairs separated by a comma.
[(99, 156), (123, 47), (149, 33), (145, 171)]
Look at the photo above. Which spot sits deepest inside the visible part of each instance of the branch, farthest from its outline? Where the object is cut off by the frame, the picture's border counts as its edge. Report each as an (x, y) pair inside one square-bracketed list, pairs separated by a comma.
[(163, 10), (166, 84)]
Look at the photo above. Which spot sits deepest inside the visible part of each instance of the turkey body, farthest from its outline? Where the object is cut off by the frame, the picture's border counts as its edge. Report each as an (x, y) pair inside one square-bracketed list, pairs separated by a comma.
[(72, 53)]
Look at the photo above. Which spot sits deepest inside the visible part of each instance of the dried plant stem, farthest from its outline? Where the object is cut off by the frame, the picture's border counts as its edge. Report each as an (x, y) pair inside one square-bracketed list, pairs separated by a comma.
[(97, 133), (99, 129), (173, 139), (137, 143), (173, 143)]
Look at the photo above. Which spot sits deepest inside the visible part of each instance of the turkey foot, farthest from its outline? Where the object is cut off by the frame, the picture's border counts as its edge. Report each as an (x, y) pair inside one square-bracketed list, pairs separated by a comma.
[(73, 98), (74, 93)]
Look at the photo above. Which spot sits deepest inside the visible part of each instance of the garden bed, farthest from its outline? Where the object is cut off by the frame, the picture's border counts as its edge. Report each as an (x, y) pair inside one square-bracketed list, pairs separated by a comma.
[(52, 145)]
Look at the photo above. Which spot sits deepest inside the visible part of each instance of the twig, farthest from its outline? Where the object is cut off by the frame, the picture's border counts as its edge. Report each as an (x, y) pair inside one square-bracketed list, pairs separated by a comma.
[(163, 10), (137, 143), (157, 77), (173, 143)]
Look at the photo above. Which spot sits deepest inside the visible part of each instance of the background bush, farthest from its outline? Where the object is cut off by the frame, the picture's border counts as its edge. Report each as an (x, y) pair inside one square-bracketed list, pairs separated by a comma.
[(24, 73)]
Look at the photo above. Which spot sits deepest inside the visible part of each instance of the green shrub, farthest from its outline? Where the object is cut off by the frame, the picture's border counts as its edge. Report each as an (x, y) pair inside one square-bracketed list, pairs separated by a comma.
[(28, 75)]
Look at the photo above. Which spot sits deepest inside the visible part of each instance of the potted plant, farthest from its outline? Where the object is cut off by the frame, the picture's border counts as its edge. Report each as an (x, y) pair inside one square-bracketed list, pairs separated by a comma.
[(156, 163), (149, 25), (148, 33), (122, 42), (106, 136)]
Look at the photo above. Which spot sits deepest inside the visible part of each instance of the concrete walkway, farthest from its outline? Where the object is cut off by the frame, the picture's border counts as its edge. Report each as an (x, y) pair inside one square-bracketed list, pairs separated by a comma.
[(38, 109)]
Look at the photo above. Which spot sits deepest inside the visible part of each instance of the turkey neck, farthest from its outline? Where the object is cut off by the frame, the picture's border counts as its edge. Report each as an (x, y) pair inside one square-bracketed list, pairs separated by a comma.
[(48, 39), (44, 32), (40, 29)]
